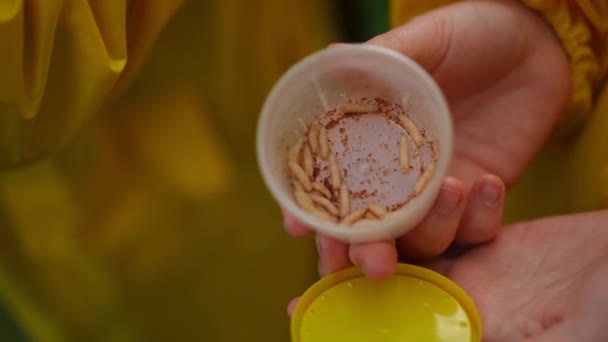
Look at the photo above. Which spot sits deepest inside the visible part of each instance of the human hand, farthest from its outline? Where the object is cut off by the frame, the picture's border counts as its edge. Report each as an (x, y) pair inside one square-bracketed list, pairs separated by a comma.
[(506, 79), (539, 281)]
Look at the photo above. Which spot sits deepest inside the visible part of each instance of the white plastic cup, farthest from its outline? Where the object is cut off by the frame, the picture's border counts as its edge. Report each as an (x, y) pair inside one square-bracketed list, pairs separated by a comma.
[(322, 81)]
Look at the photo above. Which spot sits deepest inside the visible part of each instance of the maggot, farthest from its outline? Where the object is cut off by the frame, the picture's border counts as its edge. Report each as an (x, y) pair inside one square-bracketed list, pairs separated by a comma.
[(296, 185), (325, 203), (313, 136), (323, 143), (411, 129), (294, 151), (344, 200), (370, 216), (322, 214), (300, 175), (354, 216), (404, 154), (377, 210), (424, 178), (334, 172), (322, 189), (308, 161), (304, 201), (358, 108)]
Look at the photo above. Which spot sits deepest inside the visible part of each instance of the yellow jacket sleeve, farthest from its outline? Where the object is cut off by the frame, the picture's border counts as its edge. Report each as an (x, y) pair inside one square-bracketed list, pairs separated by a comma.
[(61, 60), (582, 27)]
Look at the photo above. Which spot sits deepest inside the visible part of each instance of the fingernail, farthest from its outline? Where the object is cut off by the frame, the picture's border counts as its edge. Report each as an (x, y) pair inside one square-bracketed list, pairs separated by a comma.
[(448, 201), (489, 192)]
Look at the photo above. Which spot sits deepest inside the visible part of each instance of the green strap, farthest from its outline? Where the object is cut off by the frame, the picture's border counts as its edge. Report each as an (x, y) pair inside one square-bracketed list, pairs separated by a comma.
[(363, 19)]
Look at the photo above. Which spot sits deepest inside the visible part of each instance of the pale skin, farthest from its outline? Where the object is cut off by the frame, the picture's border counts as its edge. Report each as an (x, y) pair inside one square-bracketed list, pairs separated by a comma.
[(506, 78), (539, 281)]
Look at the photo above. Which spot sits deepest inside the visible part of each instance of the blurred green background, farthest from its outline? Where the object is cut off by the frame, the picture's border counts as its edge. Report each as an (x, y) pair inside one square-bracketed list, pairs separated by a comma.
[(153, 223)]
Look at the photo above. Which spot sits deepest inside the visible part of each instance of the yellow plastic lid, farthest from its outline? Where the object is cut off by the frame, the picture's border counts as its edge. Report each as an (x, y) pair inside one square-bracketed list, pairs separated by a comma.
[(416, 304)]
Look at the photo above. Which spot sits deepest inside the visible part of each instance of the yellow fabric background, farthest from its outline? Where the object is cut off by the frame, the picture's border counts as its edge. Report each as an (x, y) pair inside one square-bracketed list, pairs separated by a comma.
[(152, 224)]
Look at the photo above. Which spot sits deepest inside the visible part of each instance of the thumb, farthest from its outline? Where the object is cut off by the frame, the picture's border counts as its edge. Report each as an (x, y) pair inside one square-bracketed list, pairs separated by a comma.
[(425, 39)]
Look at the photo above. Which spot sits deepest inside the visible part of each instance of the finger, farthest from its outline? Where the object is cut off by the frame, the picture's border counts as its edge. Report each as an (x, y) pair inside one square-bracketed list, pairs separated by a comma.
[(294, 227), (377, 260), (438, 229), (333, 255), (483, 214), (413, 40), (292, 306)]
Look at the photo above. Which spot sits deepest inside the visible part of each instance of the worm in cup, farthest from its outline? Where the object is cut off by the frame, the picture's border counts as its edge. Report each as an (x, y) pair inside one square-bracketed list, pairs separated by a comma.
[(324, 189)]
